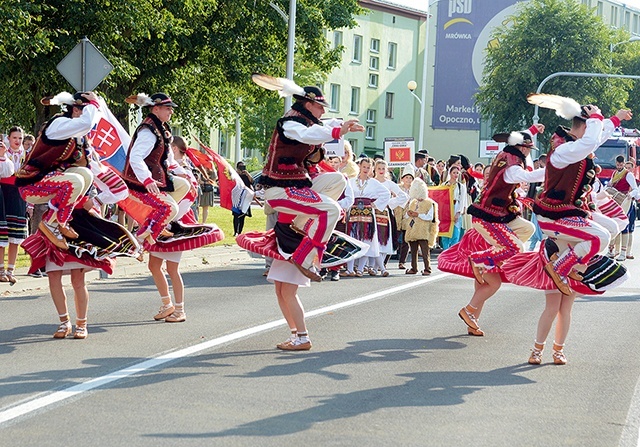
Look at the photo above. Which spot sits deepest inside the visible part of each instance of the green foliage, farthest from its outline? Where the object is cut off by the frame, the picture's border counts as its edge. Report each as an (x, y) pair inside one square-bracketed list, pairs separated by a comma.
[(201, 52), (549, 36)]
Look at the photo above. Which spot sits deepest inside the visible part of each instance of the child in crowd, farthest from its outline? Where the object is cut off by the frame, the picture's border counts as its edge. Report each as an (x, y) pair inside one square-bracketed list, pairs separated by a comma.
[(421, 225)]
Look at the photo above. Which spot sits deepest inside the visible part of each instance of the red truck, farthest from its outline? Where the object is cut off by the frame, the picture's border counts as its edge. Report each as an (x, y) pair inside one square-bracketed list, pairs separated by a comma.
[(625, 142)]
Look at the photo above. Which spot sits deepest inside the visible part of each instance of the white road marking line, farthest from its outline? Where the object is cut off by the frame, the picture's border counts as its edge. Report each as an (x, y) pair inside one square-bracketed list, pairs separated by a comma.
[(10, 413)]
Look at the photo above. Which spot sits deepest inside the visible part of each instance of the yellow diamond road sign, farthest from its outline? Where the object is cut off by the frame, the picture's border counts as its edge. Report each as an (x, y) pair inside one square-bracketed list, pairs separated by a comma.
[(85, 66)]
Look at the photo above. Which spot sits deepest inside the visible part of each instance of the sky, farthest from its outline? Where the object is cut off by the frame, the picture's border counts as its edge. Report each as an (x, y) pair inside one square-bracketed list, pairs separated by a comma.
[(422, 4)]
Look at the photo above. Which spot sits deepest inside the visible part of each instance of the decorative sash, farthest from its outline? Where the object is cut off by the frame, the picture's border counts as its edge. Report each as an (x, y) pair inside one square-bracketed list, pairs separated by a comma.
[(360, 222), (382, 223)]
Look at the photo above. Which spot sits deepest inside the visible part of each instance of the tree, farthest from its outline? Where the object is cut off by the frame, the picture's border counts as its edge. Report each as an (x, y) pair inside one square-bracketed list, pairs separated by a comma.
[(202, 52), (548, 36)]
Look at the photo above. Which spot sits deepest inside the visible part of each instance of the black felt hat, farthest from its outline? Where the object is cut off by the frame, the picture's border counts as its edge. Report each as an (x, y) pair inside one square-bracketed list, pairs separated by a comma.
[(313, 94)]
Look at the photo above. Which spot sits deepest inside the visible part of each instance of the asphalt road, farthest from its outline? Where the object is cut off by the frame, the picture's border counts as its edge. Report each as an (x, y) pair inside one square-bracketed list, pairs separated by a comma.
[(391, 365)]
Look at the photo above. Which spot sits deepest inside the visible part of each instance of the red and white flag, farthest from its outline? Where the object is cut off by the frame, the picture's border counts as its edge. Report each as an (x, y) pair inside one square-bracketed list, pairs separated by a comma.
[(234, 194), (109, 139)]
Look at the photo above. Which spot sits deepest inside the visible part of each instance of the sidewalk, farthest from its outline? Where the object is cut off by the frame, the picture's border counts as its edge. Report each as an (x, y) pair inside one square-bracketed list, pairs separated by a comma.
[(200, 258)]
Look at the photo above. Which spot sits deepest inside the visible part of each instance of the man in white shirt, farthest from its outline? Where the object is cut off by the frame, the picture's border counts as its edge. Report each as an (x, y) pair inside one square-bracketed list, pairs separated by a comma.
[(154, 179), (56, 169), (296, 143)]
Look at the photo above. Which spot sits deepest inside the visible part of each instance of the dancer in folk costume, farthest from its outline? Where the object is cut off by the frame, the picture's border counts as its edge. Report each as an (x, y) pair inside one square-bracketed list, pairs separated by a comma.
[(385, 220), (624, 188), (497, 217), (421, 225), (279, 244), (568, 216), (146, 171), (98, 241), (289, 189), (186, 234), (55, 171), (564, 208), (369, 195)]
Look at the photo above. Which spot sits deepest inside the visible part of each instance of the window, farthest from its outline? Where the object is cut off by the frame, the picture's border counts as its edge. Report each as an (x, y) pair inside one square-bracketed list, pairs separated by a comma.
[(355, 100), (370, 133), (371, 115), (337, 39), (374, 63), (375, 45), (357, 49), (354, 146), (335, 98), (635, 24), (373, 80), (393, 51), (388, 105), (614, 16), (599, 9), (627, 20)]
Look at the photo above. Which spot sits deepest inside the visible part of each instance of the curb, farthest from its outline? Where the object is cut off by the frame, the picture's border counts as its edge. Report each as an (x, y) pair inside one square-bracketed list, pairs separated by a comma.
[(198, 259)]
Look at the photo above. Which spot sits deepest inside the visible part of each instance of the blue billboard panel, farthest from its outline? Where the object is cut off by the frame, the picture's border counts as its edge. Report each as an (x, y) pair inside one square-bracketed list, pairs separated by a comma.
[(462, 36)]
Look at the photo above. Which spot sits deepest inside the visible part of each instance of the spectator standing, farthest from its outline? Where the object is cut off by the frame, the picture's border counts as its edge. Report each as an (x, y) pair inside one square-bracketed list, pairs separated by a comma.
[(238, 217)]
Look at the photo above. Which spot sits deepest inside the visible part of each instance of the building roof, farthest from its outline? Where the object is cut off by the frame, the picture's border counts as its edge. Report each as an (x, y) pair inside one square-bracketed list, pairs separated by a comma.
[(393, 8)]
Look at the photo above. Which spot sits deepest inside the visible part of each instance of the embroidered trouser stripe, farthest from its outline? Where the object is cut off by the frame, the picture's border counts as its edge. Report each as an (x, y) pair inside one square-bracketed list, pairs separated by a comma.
[(324, 215), (61, 190), (506, 240), (583, 239)]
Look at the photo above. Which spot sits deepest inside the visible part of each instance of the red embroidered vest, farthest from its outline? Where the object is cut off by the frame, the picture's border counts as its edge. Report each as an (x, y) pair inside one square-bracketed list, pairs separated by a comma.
[(497, 201), (285, 166), (156, 161), (49, 155)]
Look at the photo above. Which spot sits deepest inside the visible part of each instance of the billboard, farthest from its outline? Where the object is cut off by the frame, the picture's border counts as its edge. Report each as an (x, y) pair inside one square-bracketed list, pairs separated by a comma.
[(462, 35)]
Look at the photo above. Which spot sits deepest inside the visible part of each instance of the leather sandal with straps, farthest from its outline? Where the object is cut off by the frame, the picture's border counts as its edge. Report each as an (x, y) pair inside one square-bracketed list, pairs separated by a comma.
[(559, 358), (63, 330), (469, 319), (10, 278), (81, 329), (178, 316), (536, 357), (164, 312), (67, 231), (477, 272), (54, 235)]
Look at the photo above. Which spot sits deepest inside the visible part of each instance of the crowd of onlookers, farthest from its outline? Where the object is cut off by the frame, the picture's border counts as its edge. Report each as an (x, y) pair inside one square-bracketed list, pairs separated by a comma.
[(396, 216), (391, 220)]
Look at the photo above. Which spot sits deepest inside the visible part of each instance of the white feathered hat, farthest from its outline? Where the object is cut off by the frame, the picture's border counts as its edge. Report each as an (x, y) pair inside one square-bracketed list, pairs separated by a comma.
[(286, 87), (566, 108), (64, 99), (157, 99)]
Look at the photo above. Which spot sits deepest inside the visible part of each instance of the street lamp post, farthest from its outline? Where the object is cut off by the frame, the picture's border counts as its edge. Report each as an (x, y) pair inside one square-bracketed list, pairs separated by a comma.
[(291, 39), (613, 45), (412, 85)]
